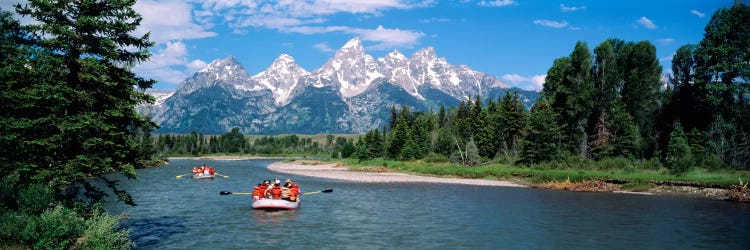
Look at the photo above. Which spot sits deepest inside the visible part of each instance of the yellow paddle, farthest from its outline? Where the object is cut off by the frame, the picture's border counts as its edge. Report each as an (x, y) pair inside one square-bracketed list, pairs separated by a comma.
[(225, 176), (182, 175)]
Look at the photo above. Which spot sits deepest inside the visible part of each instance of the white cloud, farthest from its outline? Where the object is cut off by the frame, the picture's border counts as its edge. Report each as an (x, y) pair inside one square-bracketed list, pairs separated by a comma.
[(497, 3), (697, 13), (311, 16), (571, 8), (196, 65), (665, 41), (386, 39), (169, 21), (323, 47), (435, 20), (535, 82), (169, 64), (550, 23), (647, 23), (514, 78)]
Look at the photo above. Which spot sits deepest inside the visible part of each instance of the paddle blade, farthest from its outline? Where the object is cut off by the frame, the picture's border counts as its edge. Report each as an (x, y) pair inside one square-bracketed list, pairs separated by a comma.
[(327, 191), (224, 192)]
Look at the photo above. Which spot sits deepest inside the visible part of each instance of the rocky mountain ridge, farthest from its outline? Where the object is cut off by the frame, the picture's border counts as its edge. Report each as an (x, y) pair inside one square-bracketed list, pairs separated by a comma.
[(351, 93)]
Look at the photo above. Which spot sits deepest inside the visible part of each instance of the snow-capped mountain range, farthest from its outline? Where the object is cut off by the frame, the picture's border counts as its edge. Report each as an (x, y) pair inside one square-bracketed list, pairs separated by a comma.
[(351, 93)]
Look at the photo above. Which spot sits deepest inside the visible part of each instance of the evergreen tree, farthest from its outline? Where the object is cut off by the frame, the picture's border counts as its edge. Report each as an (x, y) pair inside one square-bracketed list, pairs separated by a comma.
[(399, 135), (627, 141), (444, 142), (441, 116), (679, 158), (393, 118), (488, 140), (543, 142), (68, 94), (514, 120)]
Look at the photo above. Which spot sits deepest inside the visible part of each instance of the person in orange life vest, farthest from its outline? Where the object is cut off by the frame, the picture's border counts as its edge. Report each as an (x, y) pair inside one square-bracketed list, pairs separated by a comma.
[(195, 170), (275, 190), (258, 191), (293, 191), (264, 189), (211, 170)]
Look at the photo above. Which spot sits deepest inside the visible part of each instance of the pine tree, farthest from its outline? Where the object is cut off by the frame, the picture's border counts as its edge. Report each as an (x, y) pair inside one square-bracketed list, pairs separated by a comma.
[(514, 119), (441, 116), (82, 52), (679, 158), (543, 142)]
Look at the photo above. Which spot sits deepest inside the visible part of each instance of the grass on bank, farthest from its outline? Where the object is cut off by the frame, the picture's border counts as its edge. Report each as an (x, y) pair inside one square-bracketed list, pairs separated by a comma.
[(633, 173)]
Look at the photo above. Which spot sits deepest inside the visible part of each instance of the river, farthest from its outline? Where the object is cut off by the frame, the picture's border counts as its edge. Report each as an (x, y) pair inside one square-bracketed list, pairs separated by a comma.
[(190, 214)]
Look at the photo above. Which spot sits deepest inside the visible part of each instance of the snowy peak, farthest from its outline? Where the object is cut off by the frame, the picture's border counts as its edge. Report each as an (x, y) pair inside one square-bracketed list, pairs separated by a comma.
[(423, 55), (284, 65), (350, 70), (281, 77), (353, 44), (225, 66), (396, 55)]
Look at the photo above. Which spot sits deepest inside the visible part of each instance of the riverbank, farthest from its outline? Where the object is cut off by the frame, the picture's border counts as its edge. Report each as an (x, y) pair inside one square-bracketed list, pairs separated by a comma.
[(226, 158), (341, 172), (384, 174)]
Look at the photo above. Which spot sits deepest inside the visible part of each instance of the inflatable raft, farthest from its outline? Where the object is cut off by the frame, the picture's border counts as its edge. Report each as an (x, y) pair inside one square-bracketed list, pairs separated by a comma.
[(195, 176), (273, 204)]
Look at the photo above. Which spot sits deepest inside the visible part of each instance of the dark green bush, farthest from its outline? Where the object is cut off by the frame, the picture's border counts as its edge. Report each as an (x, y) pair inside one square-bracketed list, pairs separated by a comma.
[(35, 198), (56, 228), (433, 157), (103, 232)]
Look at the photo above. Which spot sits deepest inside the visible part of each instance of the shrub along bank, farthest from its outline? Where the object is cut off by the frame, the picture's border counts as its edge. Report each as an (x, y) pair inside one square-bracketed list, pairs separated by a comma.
[(634, 175)]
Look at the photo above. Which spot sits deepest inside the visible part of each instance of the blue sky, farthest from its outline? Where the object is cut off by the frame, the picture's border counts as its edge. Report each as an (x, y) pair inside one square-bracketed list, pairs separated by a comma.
[(515, 40)]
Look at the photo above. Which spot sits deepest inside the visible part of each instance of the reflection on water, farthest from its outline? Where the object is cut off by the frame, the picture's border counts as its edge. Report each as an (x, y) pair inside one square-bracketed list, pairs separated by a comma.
[(273, 218), (190, 214)]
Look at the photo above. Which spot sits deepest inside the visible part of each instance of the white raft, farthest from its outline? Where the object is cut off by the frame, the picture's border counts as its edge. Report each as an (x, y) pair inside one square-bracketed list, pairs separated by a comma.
[(274, 204), (195, 176)]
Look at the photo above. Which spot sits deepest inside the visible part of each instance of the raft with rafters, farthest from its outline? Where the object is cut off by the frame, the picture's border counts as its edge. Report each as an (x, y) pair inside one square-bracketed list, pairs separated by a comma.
[(275, 204)]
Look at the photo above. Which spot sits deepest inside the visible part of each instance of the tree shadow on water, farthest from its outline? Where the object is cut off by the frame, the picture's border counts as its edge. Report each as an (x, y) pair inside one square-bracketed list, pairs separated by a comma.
[(149, 232)]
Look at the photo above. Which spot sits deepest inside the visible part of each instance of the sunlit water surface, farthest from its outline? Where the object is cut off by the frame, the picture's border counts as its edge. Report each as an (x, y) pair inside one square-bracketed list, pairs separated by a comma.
[(190, 214)]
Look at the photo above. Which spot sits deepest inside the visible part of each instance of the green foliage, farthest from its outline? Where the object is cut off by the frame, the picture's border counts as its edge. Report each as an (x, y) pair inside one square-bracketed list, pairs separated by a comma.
[(543, 142), (472, 154), (103, 232), (56, 228), (35, 199), (679, 158), (68, 105)]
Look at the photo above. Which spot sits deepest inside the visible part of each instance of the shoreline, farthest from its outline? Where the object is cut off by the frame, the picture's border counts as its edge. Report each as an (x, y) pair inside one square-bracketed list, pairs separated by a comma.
[(341, 172), (227, 158)]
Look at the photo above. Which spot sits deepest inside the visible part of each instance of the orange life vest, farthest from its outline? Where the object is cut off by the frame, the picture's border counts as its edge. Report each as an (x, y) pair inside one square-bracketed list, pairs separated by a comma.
[(293, 192), (211, 170), (276, 192), (257, 191)]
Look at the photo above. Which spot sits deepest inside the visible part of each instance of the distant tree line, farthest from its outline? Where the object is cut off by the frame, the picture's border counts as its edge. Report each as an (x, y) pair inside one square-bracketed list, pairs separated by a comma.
[(609, 103), (233, 142)]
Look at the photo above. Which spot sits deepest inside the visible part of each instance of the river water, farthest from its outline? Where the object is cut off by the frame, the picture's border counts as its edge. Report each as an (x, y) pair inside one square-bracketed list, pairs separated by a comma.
[(190, 214)]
